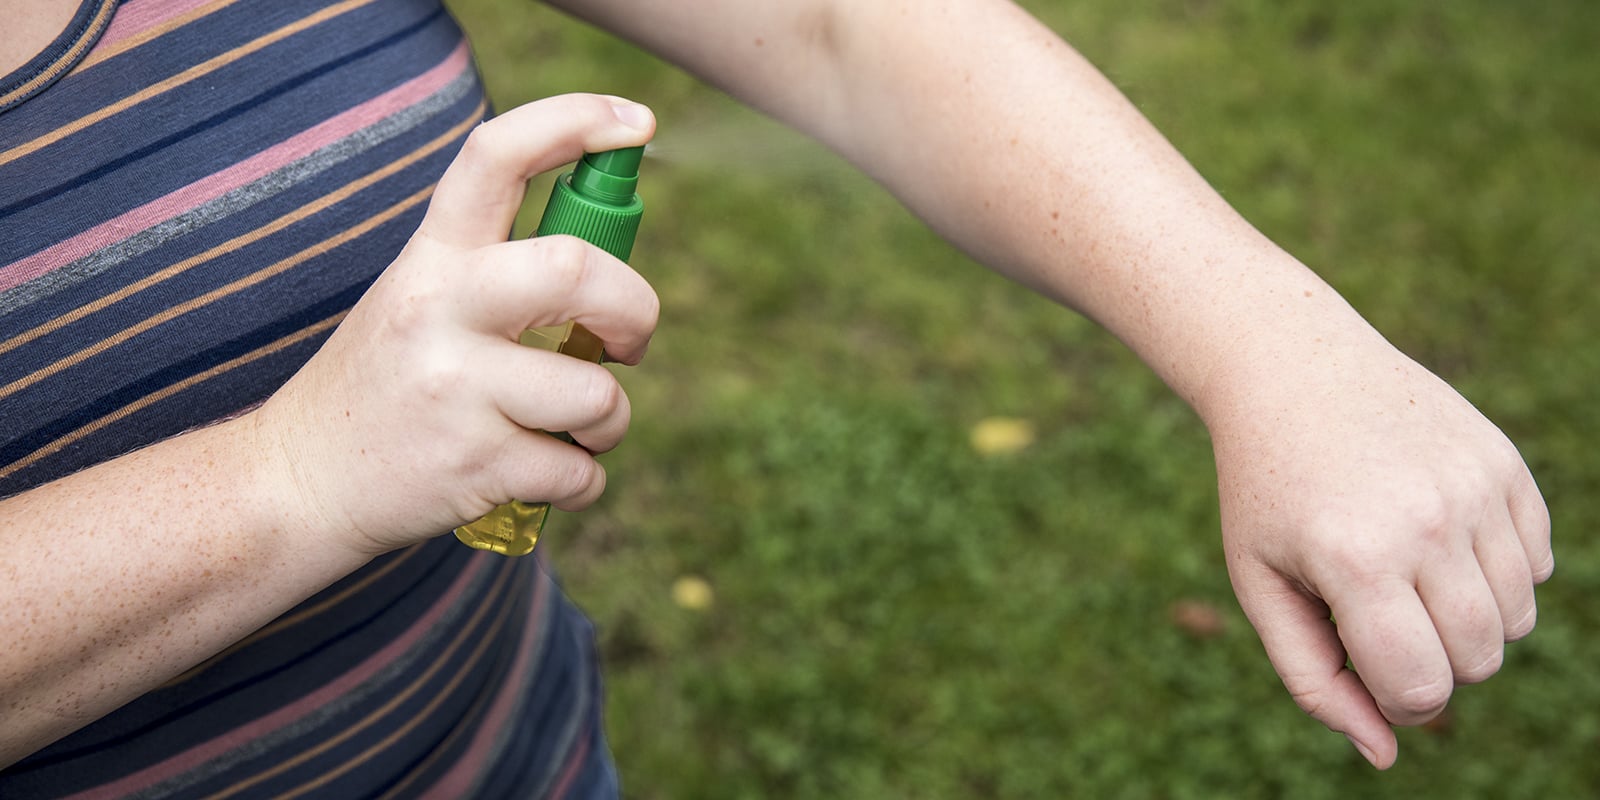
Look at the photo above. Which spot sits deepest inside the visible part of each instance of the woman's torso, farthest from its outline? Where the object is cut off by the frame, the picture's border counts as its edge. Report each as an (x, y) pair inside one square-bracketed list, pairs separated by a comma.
[(192, 193)]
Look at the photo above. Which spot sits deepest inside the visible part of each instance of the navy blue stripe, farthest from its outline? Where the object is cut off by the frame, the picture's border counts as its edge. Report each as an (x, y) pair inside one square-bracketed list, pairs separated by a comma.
[(241, 136), (221, 396), (61, 344), (219, 118), (218, 148), (39, 437), (550, 704), (134, 361)]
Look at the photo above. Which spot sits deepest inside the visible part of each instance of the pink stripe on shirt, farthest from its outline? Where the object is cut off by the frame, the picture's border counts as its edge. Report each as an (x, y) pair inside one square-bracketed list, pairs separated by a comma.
[(133, 19), (575, 760), (218, 184)]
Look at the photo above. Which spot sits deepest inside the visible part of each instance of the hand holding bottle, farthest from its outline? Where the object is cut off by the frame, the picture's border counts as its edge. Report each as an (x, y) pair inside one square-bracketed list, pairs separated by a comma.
[(422, 412), (595, 202)]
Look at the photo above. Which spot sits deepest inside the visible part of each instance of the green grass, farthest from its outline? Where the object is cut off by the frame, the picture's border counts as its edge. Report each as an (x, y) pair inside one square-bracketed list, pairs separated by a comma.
[(895, 616)]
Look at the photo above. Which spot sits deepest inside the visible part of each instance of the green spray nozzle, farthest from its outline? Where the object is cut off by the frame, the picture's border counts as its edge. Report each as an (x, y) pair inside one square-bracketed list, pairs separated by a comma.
[(596, 201), (611, 176)]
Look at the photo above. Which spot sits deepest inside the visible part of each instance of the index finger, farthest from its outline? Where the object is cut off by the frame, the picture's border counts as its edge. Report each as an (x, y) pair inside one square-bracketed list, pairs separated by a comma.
[(1395, 647), (478, 197), (1305, 650)]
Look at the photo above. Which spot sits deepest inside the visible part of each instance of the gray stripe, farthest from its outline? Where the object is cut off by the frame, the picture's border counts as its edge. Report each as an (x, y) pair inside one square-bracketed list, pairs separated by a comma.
[(448, 624), (239, 199)]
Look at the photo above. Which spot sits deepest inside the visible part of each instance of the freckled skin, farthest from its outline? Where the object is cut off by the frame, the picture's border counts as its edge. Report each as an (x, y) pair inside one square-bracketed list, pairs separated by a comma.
[(1285, 374)]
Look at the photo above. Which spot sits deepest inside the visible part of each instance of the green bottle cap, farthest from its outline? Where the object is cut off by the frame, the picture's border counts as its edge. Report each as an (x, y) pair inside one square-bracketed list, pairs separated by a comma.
[(596, 201)]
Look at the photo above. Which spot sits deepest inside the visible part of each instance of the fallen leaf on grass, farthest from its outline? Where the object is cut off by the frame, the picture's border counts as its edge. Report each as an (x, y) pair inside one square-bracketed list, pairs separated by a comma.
[(692, 592), (1197, 618), (994, 436)]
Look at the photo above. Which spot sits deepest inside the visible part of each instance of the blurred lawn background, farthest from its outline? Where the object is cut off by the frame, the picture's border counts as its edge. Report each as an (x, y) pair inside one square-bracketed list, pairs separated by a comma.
[(809, 583)]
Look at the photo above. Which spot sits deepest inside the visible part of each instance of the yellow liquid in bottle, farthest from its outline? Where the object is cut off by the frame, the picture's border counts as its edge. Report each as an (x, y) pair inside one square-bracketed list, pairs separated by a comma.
[(513, 529)]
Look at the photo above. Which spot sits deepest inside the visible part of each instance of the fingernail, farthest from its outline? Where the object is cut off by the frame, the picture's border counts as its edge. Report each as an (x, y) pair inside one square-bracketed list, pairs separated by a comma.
[(633, 115), (1361, 748)]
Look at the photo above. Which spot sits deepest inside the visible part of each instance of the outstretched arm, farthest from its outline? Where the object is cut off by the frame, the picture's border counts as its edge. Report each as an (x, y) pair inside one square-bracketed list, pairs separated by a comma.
[(1355, 485)]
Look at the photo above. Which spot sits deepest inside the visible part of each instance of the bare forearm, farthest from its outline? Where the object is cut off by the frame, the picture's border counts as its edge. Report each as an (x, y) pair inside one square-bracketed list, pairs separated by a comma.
[(1354, 485), (1014, 147), (120, 577)]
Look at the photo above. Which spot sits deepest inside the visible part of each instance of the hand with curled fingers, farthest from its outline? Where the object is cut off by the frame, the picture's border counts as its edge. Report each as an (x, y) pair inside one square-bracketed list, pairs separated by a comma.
[(1383, 537), (421, 411)]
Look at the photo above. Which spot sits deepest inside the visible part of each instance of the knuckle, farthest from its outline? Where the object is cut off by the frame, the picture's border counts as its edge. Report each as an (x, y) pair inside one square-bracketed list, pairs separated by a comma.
[(482, 142), (1345, 554), (1512, 465), (1523, 624), (408, 315), (1540, 513), (607, 433), (1418, 523), (1545, 570), (406, 301), (652, 310), (436, 375), (1423, 701), (1483, 666), (589, 103), (1312, 699), (1534, 529), (1428, 513), (604, 395), (564, 262), (1482, 670), (431, 382), (580, 485)]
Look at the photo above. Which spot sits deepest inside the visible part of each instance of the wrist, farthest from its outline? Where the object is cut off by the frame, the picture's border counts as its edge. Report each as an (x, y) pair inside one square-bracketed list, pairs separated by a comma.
[(279, 493), (1278, 330), (1299, 355)]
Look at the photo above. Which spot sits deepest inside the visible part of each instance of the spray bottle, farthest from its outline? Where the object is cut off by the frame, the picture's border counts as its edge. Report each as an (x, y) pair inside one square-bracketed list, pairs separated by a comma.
[(596, 202)]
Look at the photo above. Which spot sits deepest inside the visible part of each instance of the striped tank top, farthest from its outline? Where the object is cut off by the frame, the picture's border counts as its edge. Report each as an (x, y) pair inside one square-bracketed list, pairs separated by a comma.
[(192, 194)]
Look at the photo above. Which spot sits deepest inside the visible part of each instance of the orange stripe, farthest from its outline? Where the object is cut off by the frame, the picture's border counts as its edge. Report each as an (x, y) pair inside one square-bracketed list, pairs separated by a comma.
[(394, 702), (246, 282), (160, 30), (67, 59), (243, 239), (191, 74), (156, 397)]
